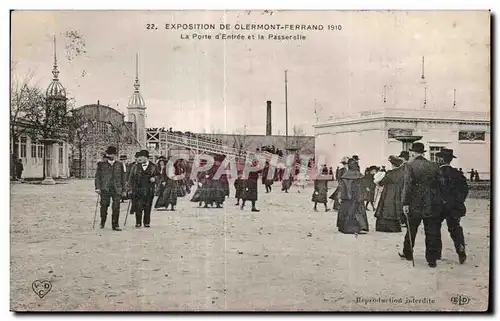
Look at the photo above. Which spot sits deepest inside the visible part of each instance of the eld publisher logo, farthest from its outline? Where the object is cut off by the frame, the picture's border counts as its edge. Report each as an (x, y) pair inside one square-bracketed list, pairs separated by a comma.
[(460, 299)]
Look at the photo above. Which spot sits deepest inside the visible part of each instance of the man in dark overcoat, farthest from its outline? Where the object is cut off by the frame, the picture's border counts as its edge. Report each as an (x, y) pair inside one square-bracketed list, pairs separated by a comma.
[(251, 188), (142, 184), (421, 202), (110, 184), (454, 191)]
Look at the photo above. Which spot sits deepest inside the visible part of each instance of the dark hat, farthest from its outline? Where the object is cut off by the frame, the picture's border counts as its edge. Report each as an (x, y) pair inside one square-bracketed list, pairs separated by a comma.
[(144, 153), (373, 167), (123, 157), (352, 164), (404, 154), (111, 150), (445, 152), (355, 157), (396, 161), (417, 148), (136, 154)]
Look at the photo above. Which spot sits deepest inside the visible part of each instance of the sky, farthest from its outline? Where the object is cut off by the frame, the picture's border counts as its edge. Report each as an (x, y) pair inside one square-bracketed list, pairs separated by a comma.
[(223, 85)]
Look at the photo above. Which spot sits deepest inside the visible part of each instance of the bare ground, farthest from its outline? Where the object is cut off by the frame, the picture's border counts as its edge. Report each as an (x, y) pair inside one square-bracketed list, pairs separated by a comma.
[(285, 258)]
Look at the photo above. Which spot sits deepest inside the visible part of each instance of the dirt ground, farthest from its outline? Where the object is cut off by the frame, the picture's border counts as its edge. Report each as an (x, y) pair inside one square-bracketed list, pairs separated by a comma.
[(284, 258)]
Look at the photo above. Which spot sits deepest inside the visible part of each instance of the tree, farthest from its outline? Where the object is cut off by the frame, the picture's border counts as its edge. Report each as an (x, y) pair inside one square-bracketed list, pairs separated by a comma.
[(47, 121), (81, 136), (23, 99), (297, 141), (241, 141)]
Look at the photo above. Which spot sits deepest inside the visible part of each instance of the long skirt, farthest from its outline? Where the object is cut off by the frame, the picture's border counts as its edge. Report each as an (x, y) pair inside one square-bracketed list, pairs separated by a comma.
[(251, 190), (335, 197), (320, 192), (217, 191), (167, 195), (390, 226), (286, 184), (202, 194), (352, 217)]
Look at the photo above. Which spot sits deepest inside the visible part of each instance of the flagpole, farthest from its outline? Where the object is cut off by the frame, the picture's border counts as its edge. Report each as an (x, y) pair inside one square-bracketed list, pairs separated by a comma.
[(286, 110)]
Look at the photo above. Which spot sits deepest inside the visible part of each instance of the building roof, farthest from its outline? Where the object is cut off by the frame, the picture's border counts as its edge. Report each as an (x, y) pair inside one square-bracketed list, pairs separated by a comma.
[(406, 114)]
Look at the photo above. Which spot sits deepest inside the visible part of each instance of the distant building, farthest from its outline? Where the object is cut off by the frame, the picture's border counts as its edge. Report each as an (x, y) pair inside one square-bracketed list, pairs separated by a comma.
[(372, 135), (99, 127), (31, 151), (159, 144), (103, 126)]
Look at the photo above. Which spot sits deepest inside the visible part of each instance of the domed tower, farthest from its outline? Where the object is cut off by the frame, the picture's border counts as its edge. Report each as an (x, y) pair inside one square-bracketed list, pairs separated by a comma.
[(56, 94), (137, 109), (56, 110)]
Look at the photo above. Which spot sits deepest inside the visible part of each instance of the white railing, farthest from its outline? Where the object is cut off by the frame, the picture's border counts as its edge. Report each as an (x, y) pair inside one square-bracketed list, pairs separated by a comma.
[(209, 147), (200, 145)]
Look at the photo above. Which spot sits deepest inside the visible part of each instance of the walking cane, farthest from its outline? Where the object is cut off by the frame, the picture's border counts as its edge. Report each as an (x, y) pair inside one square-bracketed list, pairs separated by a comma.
[(128, 210), (95, 213), (408, 231)]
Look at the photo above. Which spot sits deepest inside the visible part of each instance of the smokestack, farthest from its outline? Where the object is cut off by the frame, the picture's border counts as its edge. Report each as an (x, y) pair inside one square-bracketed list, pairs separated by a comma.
[(268, 119)]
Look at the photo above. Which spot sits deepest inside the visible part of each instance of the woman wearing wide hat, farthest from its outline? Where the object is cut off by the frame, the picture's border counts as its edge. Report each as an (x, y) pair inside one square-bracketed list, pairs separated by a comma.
[(167, 186), (369, 186), (352, 213), (336, 193), (389, 208)]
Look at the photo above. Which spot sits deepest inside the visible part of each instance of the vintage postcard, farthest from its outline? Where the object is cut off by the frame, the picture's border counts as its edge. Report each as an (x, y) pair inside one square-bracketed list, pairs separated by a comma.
[(251, 160)]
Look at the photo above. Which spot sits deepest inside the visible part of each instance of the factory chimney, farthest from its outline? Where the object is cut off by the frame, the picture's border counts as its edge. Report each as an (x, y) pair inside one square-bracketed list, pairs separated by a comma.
[(268, 119)]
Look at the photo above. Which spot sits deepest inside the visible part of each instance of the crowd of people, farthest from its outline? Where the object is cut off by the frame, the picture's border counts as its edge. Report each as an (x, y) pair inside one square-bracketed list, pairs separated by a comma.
[(414, 191), (271, 149)]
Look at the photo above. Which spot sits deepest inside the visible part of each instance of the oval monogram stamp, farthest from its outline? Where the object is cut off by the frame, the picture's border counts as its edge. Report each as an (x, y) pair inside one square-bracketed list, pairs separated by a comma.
[(41, 287)]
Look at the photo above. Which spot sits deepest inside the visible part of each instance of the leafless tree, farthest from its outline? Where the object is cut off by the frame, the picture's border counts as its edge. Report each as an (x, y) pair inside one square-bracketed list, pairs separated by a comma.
[(47, 120), (23, 99), (297, 141), (241, 141), (82, 135)]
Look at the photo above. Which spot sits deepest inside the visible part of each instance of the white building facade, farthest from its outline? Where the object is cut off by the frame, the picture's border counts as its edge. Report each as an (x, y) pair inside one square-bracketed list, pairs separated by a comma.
[(371, 136)]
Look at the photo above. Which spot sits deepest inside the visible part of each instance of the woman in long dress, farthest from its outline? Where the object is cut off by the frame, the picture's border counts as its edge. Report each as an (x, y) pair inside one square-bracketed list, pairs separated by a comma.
[(217, 186), (389, 208), (369, 187), (336, 193), (169, 187), (352, 212), (286, 183)]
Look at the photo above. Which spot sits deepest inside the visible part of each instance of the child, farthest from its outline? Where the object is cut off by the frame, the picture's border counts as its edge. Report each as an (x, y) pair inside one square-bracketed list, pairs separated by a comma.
[(320, 193), (239, 185)]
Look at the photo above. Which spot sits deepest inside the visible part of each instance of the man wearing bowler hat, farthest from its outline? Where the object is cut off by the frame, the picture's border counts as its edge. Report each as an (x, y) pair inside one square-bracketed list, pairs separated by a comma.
[(421, 202), (454, 191), (110, 184), (142, 184)]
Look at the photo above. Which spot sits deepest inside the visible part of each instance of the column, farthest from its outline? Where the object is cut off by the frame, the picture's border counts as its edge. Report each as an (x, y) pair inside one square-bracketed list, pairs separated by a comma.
[(48, 146)]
